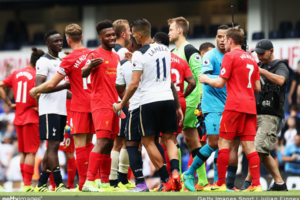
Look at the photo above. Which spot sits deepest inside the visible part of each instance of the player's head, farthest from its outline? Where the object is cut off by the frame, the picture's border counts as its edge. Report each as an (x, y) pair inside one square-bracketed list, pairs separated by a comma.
[(133, 45), (205, 47), (178, 27), (53, 41), (141, 29), (122, 30), (162, 38), (264, 49), (35, 55), (234, 37), (106, 33), (73, 34), (220, 37)]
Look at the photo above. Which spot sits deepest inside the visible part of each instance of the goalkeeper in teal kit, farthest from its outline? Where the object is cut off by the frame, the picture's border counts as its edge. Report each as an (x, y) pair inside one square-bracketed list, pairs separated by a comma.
[(212, 105)]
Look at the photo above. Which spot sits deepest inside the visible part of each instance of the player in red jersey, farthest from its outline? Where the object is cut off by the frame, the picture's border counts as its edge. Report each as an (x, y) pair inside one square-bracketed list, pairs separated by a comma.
[(180, 72), (82, 122), (240, 72), (26, 118), (102, 65)]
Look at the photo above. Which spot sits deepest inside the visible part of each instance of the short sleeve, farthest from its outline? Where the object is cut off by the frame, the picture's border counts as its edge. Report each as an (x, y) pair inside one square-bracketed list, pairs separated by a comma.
[(207, 64), (226, 68), (8, 80), (282, 70), (137, 64), (286, 151), (120, 78), (122, 52), (187, 70), (65, 67), (42, 67)]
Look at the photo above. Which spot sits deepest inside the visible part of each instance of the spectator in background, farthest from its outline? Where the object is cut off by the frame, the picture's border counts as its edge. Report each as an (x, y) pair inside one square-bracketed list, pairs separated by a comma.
[(291, 132), (294, 85), (293, 113), (288, 88), (13, 172), (6, 152), (291, 156), (7, 115)]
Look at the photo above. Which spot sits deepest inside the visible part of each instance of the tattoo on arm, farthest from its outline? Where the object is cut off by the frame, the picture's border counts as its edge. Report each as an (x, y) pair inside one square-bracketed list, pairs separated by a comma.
[(191, 86)]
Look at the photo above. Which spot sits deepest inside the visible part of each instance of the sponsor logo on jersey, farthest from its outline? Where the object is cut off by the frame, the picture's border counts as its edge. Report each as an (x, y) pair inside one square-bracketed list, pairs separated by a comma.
[(106, 62), (198, 58), (223, 71), (134, 64), (206, 62)]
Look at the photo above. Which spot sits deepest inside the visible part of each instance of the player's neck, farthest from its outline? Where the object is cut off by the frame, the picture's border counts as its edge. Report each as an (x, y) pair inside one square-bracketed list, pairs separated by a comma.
[(77, 46), (106, 47), (146, 41), (120, 42), (221, 51), (53, 53), (30, 65), (234, 47), (180, 42)]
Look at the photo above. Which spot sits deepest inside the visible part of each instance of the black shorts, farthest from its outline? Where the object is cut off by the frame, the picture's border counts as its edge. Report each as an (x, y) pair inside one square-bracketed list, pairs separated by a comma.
[(123, 123), (52, 127), (158, 117), (133, 126)]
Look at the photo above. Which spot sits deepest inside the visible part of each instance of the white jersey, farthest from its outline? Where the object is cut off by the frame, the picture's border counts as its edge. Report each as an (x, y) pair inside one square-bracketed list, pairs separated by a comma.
[(154, 60), (52, 103), (124, 73), (120, 51)]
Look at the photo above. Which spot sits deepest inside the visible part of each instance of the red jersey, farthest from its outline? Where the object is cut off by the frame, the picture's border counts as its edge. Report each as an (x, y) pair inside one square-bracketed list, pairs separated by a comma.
[(179, 71), (103, 77), (22, 81), (242, 71), (71, 66)]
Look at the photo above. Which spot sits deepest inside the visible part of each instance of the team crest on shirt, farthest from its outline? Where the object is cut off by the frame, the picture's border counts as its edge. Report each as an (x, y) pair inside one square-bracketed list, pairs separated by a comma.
[(206, 62), (223, 71), (197, 58)]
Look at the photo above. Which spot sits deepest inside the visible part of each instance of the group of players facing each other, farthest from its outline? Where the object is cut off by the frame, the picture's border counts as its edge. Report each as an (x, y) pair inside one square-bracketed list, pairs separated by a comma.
[(149, 79)]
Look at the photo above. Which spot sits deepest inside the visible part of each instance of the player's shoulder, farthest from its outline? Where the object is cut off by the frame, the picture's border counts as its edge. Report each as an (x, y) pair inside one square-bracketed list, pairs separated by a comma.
[(189, 50), (117, 47), (122, 62), (143, 49), (177, 59)]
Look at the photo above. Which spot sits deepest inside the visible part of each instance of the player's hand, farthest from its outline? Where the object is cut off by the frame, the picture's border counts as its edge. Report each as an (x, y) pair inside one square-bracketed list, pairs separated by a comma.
[(202, 78), (96, 61), (12, 106), (179, 116), (117, 107), (33, 92), (128, 56)]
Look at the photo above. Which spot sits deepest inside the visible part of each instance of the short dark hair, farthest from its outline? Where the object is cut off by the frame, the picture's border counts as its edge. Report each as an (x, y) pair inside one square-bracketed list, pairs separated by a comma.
[(162, 37), (223, 27), (204, 46), (132, 39), (35, 55), (142, 25), (103, 25), (49, 33), (294, 108)]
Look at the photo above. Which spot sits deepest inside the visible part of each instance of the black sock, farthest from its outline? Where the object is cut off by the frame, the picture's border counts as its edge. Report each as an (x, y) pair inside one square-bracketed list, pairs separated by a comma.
[(195, 151), (231, 174), (177, 145), (162, 152), (57, 176), (174, 165), (44, 177), (164, 175), (122, 178), (136, 163), (113, 183)]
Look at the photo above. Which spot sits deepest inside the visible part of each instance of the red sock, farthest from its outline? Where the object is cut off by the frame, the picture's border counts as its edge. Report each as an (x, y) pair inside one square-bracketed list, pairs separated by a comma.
[(28, 172), (167, 159), (89, 148), (129, 173), (222, 162), (81, 163), (254, 164), (105, 164), (94, 162), (22, 169), (71, 164), (52, 183)]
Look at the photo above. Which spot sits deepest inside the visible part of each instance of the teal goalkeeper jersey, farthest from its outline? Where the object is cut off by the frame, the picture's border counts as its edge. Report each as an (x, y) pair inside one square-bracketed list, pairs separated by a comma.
[(192, 56)]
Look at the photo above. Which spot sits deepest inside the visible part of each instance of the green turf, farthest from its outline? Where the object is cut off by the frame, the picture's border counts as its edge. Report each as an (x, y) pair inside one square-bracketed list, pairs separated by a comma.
[(289, 193)]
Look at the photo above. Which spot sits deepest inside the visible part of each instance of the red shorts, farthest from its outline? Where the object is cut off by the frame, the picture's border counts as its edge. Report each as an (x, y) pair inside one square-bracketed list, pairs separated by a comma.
[(28, 138), (106, 123), (183, 108), (68, 144), (236, 124), (81, 123)]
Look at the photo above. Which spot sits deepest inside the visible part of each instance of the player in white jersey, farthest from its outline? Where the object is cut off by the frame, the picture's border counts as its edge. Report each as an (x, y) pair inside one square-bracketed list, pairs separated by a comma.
[(152, 65), (119, 154), (132, 130), (52, 112)]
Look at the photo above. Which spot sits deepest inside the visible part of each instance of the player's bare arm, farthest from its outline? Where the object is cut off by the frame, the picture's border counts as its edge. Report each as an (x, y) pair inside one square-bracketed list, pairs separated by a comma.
[(177, 103), (132, 87), (274, 78), (69, 95), (257, 86), (63, 86), (4, 97), (217, 83), (94, 63), (191, 85)]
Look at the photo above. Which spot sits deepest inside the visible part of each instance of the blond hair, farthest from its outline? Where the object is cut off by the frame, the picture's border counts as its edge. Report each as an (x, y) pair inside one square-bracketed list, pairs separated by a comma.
[(119, 27), (236, 34), (74, 32), (182, 23)]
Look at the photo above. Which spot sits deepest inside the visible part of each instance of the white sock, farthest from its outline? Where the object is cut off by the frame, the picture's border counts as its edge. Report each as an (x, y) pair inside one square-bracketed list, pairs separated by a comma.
[(114, 165), (124, 161)]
